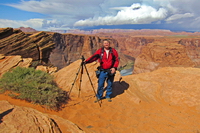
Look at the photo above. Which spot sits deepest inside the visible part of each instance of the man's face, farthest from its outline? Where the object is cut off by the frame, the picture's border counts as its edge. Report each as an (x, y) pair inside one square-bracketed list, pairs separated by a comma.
[(106, 44)]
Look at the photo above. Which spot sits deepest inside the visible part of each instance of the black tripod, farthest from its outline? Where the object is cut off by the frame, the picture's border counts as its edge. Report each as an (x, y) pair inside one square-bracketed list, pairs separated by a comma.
[(82, 65)]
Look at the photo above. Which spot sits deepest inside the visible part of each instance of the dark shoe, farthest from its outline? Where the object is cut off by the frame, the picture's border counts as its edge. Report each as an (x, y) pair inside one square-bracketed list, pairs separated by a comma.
[(97, 100), (108, 99)]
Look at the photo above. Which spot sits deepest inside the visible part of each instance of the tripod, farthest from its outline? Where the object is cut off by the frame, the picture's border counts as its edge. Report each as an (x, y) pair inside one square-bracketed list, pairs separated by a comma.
[(82, 66)]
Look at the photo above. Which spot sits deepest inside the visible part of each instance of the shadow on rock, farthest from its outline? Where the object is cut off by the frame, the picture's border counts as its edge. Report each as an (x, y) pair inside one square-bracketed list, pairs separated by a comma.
[(119, 88), (4, 114)]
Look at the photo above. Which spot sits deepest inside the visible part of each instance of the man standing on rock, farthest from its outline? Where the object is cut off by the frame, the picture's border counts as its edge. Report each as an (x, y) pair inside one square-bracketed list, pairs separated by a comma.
[(108, 59)]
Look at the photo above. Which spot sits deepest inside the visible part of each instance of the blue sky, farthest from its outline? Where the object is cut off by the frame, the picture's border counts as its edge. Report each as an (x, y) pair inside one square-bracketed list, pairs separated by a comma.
[(93, 14)]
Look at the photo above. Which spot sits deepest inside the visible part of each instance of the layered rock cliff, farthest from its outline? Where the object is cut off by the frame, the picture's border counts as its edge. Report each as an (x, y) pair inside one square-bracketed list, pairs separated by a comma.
[(15, 42)]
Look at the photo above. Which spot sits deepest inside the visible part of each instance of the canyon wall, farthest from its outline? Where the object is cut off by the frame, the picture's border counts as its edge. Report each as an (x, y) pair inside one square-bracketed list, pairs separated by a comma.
[(60, 50), (70, 48), (154, 56), (36, 46), (168, 52), (192, 49), (52, 49), (132, 46), (129, 44)]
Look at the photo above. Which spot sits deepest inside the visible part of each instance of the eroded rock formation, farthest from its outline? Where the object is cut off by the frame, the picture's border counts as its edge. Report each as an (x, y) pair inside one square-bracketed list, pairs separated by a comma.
[(15, 42), (162, 54), (165, 100), (192, 49), (23, 119), (9, 62)]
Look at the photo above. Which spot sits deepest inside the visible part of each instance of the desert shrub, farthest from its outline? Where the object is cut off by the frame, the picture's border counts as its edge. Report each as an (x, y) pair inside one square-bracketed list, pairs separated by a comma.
[(34, 86)]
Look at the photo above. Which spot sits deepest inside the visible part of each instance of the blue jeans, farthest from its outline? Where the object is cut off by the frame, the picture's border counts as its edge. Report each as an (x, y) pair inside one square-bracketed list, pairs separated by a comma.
[(102, 78)]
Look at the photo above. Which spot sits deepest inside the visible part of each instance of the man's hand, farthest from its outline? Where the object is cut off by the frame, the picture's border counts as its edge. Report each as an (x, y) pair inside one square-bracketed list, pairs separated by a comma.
[(113, 70), (83, 63)]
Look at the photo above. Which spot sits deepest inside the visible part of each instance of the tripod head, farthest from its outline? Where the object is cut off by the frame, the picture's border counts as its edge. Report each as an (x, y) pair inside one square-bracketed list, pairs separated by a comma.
[(83, 58)]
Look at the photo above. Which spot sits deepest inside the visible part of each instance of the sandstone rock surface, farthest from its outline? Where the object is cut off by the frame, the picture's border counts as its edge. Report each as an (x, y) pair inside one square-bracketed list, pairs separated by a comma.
[(14, 119), (165, 100), (66, 77), (9, 62), (47, 69), (22, 119), (174, 85)]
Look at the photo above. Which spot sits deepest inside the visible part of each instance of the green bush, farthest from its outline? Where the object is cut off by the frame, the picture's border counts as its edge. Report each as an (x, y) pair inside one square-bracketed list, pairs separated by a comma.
[(34, 86)]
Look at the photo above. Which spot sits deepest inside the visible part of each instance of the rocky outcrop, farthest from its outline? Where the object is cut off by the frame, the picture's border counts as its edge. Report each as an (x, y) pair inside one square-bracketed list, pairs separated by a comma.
[(64, 78), (9, 62), (162, 54), (173, 85), (47, 69), (15, 42), (165, 100), (22, 119), (192, 49)]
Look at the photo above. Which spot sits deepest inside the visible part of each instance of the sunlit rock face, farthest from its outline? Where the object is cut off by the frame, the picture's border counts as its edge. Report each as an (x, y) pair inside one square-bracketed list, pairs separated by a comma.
[(9, 62)]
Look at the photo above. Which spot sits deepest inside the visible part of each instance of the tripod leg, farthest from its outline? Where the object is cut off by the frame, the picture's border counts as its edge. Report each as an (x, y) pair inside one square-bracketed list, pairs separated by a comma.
[(80, 81), (92, 84), (81, 66)]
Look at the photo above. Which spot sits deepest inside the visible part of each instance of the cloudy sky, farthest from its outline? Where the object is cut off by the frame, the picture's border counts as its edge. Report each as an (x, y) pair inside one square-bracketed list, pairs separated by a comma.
[(93, 14)]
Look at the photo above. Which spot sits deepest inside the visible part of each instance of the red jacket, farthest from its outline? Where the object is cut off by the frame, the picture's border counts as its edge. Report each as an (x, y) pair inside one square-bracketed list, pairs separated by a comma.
[(104, 62)]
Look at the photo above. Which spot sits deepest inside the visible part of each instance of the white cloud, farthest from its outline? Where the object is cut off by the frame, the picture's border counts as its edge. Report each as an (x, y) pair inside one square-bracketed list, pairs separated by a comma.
[(39, 24), (34, 23), (67, 13), (135, 14), (179, 16)]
